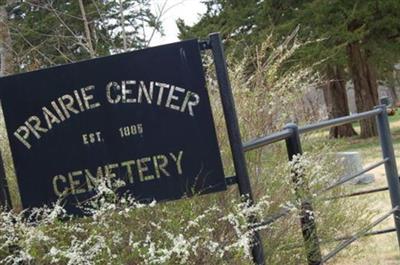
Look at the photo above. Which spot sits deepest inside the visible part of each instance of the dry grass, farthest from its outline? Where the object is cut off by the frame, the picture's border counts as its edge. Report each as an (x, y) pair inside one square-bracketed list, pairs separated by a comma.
[(380, 249)]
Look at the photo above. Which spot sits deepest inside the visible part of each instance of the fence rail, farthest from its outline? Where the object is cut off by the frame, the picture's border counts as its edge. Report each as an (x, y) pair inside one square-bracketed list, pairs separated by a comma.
[(346, 179), (290, 134), (341, 120), (358, 235), (286, 133), (266, 140), (358, 193)]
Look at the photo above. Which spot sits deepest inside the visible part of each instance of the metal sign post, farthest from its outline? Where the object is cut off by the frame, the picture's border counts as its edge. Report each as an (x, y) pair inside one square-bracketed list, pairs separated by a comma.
[(235, 139)]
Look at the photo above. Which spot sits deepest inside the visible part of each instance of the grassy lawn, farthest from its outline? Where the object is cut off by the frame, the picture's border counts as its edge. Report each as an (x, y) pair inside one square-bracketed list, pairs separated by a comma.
[(381, 249)]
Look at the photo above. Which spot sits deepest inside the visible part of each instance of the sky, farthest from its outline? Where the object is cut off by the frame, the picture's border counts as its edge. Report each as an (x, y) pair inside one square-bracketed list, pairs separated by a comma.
[(188, 10)]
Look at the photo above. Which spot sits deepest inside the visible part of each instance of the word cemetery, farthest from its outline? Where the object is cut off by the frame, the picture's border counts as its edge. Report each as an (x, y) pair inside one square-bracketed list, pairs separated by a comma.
[(144, 169)]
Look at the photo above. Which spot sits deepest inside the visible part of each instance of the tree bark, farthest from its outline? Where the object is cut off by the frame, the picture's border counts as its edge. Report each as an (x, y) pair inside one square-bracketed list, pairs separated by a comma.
[(392, 87), (336, 101), (365, 86), (6, 55), (122, 24)]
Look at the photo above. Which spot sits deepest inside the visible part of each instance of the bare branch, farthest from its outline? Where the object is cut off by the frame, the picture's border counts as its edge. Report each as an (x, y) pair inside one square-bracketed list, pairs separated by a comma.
[(87, 30), (122, 24)]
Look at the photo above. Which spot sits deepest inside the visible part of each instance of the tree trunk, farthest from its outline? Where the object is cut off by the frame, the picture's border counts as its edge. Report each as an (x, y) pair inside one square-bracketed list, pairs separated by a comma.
[(365, 87), (6, 56), (392, 88), (122, 25), (336, 101)]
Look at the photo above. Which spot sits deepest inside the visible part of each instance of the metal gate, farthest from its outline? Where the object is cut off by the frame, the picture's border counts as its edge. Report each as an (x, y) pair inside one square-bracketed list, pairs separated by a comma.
[(291, 134)]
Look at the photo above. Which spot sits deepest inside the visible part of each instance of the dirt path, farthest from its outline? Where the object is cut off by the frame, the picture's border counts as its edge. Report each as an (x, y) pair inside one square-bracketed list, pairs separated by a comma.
[(380, 249)]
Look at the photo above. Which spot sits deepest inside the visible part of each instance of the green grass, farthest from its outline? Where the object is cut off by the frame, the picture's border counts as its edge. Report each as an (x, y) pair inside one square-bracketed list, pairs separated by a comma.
[(369, 148)]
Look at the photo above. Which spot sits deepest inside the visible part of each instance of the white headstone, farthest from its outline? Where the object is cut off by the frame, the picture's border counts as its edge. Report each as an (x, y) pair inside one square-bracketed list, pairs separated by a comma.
[(352, 163)]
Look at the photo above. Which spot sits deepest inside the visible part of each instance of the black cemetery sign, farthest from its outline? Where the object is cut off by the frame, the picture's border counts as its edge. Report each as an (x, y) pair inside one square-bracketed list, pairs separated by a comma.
[(143, 117)]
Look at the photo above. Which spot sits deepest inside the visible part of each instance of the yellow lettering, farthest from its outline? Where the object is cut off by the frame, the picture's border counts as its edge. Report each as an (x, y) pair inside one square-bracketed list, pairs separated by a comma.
[(25, 134), (56, 185), (128, 164), (86, 97), (110, 98), (109, 170), (178, 161), (142, 167), (160, 162), (75, 184)]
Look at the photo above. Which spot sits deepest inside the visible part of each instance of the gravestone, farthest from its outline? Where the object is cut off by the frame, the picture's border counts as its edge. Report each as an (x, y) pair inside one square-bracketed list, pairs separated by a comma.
[(352, 163)]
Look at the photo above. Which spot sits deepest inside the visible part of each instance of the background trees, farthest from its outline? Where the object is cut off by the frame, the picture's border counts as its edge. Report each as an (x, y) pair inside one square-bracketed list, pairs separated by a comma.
[(357, 40), (6, 61), (45, 33), (364, 33), (347, 40)]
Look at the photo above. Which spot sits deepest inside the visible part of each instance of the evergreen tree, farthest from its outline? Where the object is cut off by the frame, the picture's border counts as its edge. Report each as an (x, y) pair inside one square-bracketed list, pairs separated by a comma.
[(363, 33), (261, 18), (362, 36)]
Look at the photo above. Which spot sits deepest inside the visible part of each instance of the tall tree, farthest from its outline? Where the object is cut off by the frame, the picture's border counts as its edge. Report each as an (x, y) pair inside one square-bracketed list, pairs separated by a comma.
[(361, 35), (365, 33), (6, 54), (247, 23), (336, 100)]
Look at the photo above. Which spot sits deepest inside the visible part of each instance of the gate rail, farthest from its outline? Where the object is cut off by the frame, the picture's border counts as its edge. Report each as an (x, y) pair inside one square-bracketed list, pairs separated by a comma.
[(290, 134)]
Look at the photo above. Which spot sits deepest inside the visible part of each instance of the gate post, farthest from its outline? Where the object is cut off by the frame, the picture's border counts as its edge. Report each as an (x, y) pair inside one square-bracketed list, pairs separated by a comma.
[(307, 220), (392, 175), (235, 140)]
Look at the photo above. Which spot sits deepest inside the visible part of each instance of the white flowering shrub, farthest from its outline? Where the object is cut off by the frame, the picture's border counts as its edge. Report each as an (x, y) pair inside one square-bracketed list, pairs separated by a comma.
[(210, 229), (122, 231), (268, 94)]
